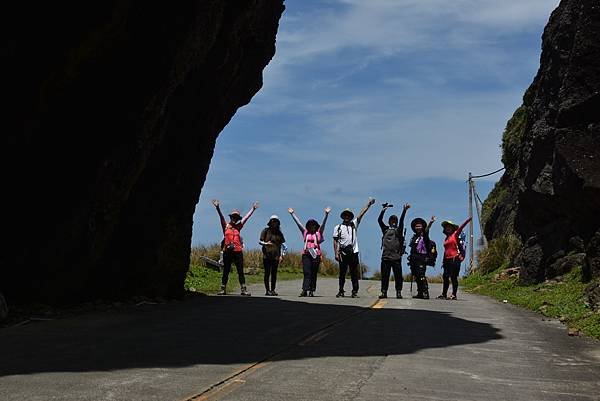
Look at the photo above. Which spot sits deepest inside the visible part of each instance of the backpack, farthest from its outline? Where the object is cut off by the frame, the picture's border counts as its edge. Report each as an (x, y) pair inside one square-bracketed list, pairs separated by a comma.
[(462, 248), (431, 253), (392, 245)]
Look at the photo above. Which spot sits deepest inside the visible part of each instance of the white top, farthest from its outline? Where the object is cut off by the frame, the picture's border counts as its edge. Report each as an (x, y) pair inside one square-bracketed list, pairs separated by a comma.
[(342, 233)]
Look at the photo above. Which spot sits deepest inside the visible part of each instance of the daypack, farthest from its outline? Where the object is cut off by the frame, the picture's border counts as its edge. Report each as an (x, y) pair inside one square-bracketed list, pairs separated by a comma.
[(432, 253), (462, 248), (392, 245)]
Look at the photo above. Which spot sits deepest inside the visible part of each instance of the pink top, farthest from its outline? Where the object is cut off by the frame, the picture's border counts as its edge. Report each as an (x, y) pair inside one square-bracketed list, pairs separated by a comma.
[(312, 241)]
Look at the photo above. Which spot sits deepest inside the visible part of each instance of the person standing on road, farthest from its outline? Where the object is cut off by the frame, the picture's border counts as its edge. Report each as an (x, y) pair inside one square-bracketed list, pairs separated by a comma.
[(392, 246), (345, 247), (273, 248), (453, 256), (420, 248), (233, 245), (312, 234)]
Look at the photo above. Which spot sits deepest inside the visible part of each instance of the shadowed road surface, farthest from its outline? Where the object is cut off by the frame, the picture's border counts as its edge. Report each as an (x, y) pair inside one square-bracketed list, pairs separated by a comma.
[(290, 348)]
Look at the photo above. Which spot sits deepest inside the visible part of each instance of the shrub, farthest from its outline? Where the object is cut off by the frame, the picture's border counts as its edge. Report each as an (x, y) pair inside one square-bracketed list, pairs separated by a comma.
[(499, 254)]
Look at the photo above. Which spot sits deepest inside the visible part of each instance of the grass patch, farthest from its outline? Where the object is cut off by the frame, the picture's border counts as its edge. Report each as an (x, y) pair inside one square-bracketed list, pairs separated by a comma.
[(499, 254), (201, 278), (564, 300)]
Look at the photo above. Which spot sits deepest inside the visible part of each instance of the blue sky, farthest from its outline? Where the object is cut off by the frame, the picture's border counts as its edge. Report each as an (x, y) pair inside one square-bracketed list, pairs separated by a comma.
[(395, 99)]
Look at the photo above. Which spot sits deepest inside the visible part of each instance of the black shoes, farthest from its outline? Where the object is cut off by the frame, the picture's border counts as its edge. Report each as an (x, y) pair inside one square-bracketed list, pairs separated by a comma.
[(274, 294), (398, 295), (222, 292), (354, 294), (244, 291), (340, 294), (383, 295), (270, 293), (303, 293), (311, 293)]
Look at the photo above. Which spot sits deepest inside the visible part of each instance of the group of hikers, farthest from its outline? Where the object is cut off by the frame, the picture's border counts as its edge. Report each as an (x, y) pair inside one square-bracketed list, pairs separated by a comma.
[(422, 250)]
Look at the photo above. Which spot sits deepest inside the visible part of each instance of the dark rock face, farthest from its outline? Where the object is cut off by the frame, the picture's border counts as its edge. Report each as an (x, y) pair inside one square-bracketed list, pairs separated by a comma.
[(115, 109), (550, 192)]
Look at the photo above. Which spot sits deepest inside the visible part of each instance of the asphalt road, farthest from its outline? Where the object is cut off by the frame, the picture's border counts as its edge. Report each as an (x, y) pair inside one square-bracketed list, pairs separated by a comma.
[(290, 348)]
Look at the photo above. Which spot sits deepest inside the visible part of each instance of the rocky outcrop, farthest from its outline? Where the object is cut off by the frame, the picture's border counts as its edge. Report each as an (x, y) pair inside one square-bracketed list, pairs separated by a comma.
[(115, 109), (550, 192)]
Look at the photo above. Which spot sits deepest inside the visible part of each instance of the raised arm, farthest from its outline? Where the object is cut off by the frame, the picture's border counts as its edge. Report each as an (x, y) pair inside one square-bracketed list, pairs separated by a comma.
[(462, 226), (426, 232), (297, 220), (217, 206), (250, 212), (382, 225), (322, 228), (402, 216), (364, 210)]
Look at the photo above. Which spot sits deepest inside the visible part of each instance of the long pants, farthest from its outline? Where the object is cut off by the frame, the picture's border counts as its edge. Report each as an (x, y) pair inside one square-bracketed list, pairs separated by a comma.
[(386, 267), (451, 271), (271, 266), (349, 262), (418, 272), (310, 268), (236, 258)]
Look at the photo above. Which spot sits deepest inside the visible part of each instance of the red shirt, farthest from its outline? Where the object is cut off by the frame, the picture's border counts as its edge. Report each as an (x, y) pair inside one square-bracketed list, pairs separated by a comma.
[(232, 235), (451, 245)]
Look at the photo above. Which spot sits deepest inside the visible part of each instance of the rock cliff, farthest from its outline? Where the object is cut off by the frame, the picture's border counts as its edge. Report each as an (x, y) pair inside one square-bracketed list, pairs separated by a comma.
[(550, 192), (114, 112)]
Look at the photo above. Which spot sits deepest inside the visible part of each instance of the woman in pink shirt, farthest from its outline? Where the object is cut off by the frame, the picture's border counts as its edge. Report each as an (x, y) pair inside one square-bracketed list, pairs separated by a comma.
[(452, 257), (312, 235)]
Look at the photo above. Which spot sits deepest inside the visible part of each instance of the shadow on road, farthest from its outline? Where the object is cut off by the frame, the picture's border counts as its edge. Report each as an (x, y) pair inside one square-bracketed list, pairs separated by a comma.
[(226, 330)]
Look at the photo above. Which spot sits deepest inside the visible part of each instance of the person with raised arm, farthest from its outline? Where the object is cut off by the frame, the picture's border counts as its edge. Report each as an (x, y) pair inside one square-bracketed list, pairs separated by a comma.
[(345, 247), (453, 256), (312, 235), (392, 249), (420, 252), (233, 245)]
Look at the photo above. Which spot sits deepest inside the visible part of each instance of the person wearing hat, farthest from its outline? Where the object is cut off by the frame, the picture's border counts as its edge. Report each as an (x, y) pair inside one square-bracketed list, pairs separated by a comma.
[(233, 245), (273, 248), (312, 235), (392, 249), (420, 246), (452, 256), (345, 247)]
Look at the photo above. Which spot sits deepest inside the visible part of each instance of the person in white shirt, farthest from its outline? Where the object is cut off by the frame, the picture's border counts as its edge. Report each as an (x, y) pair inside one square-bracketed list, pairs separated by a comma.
[(345, 247)]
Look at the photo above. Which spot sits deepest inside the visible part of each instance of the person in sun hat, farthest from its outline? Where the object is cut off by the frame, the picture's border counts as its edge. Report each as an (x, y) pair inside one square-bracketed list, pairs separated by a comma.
[(420, 248), (273, 248), (345, 247), (453, 256), (233, 245), (312, 235)]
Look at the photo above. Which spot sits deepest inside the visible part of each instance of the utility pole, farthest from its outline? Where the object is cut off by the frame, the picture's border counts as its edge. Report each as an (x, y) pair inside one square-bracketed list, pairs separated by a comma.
[(471, 249)]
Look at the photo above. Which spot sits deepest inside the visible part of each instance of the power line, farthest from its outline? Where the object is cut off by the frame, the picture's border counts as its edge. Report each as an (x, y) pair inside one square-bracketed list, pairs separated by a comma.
[(486, 175)]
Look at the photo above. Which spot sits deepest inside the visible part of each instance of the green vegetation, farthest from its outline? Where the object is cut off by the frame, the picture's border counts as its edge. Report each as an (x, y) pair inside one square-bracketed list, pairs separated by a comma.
[(499, 254), (512, 137), (564, 299), (202, 278), (496, 197)]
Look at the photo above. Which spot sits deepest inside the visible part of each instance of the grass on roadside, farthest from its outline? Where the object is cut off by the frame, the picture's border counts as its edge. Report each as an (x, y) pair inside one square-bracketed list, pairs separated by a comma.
[(563, 299)]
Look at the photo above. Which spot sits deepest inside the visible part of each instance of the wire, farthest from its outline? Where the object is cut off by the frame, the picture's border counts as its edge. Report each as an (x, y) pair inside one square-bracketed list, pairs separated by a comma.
[(488, 174)]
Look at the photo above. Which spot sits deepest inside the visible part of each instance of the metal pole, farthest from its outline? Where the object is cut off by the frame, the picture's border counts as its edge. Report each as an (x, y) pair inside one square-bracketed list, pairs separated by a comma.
[(471, 250)]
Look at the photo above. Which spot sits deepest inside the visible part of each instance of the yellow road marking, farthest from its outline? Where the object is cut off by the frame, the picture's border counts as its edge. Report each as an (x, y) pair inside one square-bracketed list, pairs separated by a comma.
[(379, 304)]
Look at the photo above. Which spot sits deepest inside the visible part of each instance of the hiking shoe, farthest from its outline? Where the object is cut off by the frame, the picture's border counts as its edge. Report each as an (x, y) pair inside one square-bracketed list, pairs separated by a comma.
[(303, 293), (442, 297), (425, 296), (398, 295), (340, 294), (274, 294), (311, 293), (453, 297), (383, 295), (222, 292), (354, 295), (268, 293), (245, 292), (418, 296)]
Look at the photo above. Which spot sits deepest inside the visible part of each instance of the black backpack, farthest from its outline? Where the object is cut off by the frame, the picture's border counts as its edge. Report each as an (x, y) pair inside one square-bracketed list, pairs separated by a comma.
[(392, 244), (432, 253)]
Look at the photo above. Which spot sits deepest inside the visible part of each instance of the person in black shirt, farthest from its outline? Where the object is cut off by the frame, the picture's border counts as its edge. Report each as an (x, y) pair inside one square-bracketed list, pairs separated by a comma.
[(420, 246), (392, 246)]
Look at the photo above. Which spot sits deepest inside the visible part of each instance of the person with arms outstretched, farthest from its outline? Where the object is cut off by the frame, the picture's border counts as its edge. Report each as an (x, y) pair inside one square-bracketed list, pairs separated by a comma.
[(345, 247), (392, 249), (453, 256), (233, 245), (420, 249), (312, 235)]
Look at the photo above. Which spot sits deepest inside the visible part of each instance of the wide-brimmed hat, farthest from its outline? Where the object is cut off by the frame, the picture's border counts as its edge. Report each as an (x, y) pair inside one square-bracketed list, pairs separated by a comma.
[(347, 211), (449, 223), (235, 212), (417, 221)]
